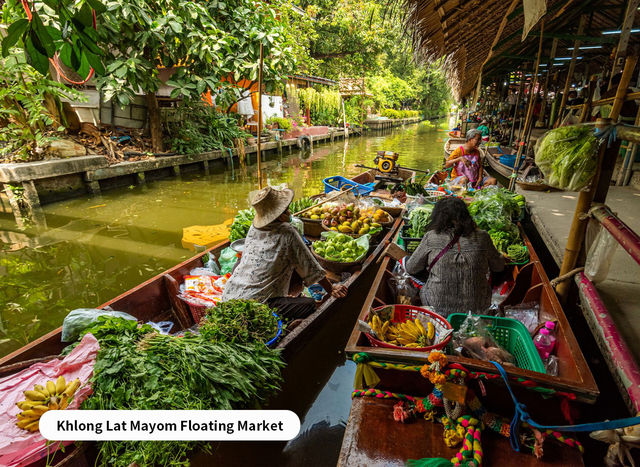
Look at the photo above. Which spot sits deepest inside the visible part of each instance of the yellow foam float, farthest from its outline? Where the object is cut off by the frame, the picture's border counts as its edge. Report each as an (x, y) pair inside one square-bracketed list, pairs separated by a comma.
[(205, 235)]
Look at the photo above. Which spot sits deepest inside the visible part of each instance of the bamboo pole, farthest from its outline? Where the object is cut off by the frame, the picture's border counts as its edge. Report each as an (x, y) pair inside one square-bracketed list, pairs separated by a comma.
[(572, 67), (621, 49), (515, 112), (586, 107), (545, 87), (628, 156), (585, 198), (529, 119), (260, 117)]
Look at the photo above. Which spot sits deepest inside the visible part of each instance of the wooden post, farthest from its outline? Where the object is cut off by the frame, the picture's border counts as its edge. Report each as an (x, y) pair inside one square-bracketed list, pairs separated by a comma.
[(260, 118), (545, 87), (586, 107), (476, 95), (572, 67), (515, 112), (628, 157), (599, 186), (621, 50), (529, 119)]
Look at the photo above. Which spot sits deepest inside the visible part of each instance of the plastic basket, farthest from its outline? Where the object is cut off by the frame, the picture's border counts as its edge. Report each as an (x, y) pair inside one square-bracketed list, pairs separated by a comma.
[(512, 335), (409, 243), (271, 342), (338, 183), (510, 160), (402, 313)]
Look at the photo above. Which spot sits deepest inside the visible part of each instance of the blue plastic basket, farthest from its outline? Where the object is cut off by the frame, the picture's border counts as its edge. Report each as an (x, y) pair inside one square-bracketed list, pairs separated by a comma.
[(271, 342), (338, 183), (510, 160)]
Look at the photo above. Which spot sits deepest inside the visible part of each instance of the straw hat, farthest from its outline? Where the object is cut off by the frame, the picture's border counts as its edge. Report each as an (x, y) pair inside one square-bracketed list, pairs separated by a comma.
[(269, 204)]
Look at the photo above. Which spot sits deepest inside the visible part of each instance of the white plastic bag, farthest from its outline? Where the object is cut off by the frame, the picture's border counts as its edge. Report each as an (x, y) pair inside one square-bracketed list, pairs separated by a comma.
[(81, 318), (600, 256)]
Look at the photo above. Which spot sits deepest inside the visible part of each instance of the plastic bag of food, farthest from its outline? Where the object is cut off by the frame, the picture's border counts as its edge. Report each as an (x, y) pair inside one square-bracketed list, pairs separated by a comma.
[(567, 156), (81, 318), (403, 284), (228, 258), (473, 339), (163, 327), (600, 256), (526, 313)]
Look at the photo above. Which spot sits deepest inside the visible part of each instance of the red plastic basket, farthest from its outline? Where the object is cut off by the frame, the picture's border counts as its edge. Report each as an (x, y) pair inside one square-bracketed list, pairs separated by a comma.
[(402, 313)]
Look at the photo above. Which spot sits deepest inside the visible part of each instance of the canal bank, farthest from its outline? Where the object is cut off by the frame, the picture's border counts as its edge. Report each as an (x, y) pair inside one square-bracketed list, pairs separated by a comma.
[(28, 186)]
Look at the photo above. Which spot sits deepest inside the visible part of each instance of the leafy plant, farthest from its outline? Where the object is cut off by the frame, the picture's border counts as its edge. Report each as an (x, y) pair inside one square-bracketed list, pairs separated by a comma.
[(206, 130), (239, 322), (283, 123), (30, 109)]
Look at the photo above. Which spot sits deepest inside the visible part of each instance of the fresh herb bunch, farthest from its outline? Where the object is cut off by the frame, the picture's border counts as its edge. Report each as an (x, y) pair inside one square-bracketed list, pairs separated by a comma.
[(493, 209), (518, 253), (419, 219), (141, 370), (240, 322), (241, 224)]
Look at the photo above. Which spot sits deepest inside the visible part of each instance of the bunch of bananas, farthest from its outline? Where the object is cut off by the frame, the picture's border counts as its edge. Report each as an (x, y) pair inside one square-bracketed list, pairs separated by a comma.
[(53, 396), (409, 334)]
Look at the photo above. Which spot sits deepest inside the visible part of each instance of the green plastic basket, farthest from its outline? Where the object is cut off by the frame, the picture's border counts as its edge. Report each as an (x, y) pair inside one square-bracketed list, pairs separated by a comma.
[(512, 335)]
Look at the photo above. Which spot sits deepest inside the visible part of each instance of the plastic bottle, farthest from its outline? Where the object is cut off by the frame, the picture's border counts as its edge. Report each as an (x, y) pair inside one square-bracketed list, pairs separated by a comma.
[(543, 343), (551, 326)]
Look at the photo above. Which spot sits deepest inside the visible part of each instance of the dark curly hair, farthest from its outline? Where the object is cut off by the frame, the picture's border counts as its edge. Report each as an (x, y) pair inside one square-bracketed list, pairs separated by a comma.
[(450, 215)]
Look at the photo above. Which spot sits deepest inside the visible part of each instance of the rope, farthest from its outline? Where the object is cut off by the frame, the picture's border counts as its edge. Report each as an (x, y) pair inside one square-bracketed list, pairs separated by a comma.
[(521, 415)]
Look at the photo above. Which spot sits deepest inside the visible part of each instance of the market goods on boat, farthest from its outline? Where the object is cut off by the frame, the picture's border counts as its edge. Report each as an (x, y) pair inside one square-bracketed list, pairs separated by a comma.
[(340, 247), (239, 321), (241, 224)]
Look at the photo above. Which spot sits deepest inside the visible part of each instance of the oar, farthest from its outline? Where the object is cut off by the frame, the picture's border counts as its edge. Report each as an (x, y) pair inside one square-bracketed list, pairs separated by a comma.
[(325, 201)]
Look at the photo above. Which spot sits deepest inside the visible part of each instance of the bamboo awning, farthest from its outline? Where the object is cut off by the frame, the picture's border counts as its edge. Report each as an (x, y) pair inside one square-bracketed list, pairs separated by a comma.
[(476, 35)]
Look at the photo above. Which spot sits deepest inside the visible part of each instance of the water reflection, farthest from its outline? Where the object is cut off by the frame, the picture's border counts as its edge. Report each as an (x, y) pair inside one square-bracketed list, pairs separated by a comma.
[(96, 247)]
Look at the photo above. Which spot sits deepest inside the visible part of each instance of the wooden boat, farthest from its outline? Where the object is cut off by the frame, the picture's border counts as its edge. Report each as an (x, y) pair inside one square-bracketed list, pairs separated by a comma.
[(452, 144), (156, 300), (373, 438), (493, 159)]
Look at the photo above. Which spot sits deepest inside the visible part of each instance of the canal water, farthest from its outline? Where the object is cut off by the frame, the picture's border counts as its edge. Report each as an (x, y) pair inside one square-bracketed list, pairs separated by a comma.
[(96, 247)]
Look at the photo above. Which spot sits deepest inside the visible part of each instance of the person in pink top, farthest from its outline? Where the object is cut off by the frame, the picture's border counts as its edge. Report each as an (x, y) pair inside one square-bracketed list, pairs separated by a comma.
[(466, 163)]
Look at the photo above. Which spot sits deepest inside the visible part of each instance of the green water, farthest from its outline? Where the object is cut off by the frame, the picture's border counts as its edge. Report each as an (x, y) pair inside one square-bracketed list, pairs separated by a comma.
[(97, 247)]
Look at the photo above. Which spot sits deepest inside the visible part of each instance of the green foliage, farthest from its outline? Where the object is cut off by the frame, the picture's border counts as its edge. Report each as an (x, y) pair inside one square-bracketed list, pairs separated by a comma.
[(27, 125), (140, 370), (239, 322), (205, 130), (283, 123), (241, 224), (57, 26), (392, 113)]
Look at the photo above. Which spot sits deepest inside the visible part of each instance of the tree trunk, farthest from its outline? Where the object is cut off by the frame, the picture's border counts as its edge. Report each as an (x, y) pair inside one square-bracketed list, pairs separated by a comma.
[(155, 126)]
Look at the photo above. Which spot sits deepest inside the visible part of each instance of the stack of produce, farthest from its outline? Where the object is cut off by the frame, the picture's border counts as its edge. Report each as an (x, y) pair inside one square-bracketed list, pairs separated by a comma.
[(53, 396), (241, 224), (351, 219), (411, 334), (340, 248), (567, 156), (240, 322), (138, 369), (419, 219), (301, 204), (493, 210)]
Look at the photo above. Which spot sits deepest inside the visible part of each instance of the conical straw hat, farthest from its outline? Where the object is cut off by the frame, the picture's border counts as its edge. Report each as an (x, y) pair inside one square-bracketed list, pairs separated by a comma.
[(269, 204)]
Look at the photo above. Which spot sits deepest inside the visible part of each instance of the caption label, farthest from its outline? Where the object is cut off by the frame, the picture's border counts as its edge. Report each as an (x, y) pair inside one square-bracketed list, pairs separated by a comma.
[(169, 425)]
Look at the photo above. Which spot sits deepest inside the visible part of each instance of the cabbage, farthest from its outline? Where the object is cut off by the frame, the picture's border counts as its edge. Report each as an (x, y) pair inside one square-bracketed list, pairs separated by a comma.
[(567, 156)]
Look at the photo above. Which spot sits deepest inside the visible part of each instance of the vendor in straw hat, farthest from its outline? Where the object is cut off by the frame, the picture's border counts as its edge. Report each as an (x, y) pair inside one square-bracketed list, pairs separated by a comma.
[(273, 249)]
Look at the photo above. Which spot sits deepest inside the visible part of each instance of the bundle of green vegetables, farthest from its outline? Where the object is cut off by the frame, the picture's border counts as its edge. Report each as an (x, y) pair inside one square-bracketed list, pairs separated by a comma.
[(241, 224), (240, 322), (419, 219), (138, 369), (302, 203), (567, 156)]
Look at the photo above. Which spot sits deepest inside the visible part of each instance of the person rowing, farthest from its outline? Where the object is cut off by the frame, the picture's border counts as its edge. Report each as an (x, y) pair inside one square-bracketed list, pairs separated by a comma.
[(273, 249), (466, 163)]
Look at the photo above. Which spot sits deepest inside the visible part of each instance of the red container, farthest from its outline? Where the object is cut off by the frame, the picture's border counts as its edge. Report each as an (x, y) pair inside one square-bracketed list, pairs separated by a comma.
[(402, 313)]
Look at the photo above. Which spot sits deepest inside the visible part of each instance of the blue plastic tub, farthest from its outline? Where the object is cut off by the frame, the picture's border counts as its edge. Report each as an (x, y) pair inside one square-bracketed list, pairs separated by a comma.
[(510, 160), (278, 334), (338, 183)]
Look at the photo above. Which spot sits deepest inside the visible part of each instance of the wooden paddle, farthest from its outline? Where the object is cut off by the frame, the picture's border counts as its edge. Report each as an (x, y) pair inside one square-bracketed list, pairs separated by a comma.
[(324, 201)]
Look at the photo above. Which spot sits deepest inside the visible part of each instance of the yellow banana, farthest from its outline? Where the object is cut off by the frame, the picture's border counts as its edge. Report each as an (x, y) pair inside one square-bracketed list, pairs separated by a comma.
[(35, 395), (420, 327), (64, 403), (72, 388), (24, 423), (405, 342), (61, 385), (25, 405), (431, 331), (35, 426), (413, 344), (385, 328), (51, 388), (29, 414), (40, 409), (53, 405), (409, 330)]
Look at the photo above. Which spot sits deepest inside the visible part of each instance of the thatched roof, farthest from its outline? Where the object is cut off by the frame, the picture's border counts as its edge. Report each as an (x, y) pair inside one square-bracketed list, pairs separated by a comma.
[(467, 31)]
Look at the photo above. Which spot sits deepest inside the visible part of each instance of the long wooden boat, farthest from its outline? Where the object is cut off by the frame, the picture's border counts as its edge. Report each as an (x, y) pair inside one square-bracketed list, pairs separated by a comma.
[(452, 144), (373, 438), (493, 159)]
